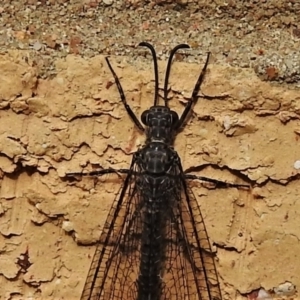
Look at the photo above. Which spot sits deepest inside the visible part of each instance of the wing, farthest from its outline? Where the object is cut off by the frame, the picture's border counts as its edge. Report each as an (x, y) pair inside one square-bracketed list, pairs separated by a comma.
[(190, 271), (115, 265)]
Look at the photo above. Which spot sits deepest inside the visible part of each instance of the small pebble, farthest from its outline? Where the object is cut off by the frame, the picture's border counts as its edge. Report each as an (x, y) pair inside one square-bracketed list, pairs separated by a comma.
[(285, 289), (37, 46), (297, 165), (108, 2)]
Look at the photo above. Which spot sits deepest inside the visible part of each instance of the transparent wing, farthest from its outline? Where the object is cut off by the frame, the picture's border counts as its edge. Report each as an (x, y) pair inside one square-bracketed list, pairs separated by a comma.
[(187, 268), (115, 265), (189, 271)]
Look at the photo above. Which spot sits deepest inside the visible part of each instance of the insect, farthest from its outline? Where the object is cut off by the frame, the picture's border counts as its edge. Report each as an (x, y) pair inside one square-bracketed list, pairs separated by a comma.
[(154, 245)]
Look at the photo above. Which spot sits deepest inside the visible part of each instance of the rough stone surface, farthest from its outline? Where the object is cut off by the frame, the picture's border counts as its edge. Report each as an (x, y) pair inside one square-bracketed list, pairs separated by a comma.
[(75, 121), (263, 35)]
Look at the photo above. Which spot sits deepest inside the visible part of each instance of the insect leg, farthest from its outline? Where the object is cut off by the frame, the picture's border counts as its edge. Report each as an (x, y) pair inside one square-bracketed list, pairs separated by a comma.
[(99, 172), (218, 183), (123, 98)]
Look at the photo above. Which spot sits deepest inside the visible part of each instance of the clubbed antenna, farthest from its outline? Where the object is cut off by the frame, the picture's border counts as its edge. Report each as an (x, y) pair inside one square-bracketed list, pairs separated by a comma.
[(172, 53), (149, 46)]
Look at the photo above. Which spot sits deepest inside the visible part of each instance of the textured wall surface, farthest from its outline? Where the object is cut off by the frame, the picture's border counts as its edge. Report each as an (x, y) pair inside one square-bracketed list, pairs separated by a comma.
[(75, 120)]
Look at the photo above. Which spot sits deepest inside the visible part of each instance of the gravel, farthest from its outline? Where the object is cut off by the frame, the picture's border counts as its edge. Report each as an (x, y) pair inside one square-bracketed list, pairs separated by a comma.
[(263, 35)]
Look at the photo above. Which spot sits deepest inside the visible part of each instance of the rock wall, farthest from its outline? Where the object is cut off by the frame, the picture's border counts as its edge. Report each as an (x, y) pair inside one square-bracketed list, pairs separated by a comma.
[(49, 224)]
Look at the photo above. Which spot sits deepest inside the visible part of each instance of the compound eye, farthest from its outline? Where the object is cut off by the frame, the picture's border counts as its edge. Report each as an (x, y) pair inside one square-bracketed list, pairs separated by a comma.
[(175, 117), (145, 117)]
